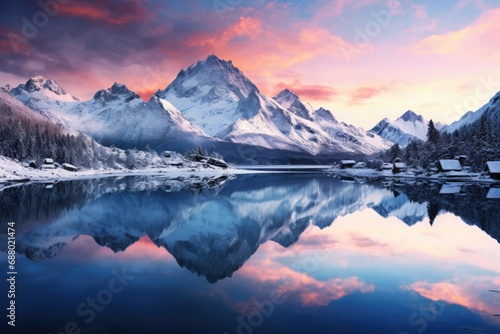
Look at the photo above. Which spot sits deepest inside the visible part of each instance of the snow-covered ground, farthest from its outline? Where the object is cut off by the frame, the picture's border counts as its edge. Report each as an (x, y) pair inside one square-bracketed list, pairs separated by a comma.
[(12, 171), (450, 176)]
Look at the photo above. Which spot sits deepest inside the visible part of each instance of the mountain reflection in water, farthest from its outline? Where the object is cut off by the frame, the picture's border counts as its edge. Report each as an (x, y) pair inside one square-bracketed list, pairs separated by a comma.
[(314, 239)]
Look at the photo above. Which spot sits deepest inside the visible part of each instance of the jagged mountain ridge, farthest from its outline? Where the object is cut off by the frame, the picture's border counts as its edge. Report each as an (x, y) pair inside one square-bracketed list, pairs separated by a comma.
[(492, 107), (216, 96), (114, 116), (210, 104), (403, 130)]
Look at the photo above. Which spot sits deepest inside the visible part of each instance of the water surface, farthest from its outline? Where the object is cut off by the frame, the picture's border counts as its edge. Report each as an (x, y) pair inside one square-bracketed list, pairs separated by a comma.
[(287, 253)]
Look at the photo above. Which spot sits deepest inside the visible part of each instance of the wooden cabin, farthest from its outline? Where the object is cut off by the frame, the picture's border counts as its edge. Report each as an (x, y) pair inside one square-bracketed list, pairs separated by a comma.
[(493, 169), (347, 164), (399, 167)]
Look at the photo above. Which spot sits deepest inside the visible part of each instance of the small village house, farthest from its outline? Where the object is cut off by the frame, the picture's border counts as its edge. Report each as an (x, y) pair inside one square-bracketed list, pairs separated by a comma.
[(399, 167), (386, 166), (347, 164), (449, 165), (69, 167), (461, 159), (493, 169), (48, 163)]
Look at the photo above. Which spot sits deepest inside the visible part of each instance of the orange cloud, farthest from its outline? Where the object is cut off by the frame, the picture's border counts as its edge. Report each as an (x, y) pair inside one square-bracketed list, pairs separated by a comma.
[(480, 37), (124, 13), (273, 47), (309, 92)]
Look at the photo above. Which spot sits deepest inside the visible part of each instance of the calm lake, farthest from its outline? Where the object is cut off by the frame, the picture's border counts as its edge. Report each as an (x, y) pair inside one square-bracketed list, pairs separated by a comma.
[(264, 253)]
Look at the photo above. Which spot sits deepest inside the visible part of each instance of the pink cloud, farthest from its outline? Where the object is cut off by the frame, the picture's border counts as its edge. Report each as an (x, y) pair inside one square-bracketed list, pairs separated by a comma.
[(308, 92), (365, 93), (263, 43), (309, 290), (329, 9), (479, 38), (419, 11)]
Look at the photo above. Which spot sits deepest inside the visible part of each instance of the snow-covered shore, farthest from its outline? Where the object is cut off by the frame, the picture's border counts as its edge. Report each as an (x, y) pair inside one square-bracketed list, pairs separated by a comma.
[(444, 177), (12, 171)]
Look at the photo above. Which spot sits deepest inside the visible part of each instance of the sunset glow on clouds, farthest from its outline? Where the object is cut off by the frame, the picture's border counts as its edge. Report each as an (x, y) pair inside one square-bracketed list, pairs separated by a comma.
[(345, 55), (352, 255)]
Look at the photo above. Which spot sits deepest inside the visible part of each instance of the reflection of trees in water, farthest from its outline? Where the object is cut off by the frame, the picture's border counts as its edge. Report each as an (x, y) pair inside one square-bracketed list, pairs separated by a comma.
[(471, 204), (39, 203), (33, 204)]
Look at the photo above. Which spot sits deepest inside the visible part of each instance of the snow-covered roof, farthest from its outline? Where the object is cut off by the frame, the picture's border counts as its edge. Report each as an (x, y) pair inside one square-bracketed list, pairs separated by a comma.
[(493, 166), (48, 161), (386, 165), (400, 165), (493, 193), (450, 164), (450, 189), (347, 162), (69, 165)]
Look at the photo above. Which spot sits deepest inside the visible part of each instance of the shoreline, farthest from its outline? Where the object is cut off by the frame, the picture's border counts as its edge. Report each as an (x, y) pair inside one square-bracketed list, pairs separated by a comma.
[(374, 174)]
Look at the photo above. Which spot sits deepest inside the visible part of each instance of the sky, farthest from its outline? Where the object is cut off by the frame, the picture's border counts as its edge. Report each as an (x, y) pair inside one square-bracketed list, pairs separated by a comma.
[(362, 59)]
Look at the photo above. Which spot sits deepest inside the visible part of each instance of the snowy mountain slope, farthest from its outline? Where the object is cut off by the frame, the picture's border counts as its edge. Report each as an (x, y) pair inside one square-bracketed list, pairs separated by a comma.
[(45, 96), (406, 128), (27, 136), (218, 98), (115, 116), (118, 116), (12, 107), (472, 116), (211, 95), (291, 102), (347, 136), (208, 94)]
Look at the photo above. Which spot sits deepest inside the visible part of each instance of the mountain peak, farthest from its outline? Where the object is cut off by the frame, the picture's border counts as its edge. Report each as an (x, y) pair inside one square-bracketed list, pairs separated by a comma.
[(39, 82), (286, 95), (7, 88), (215, 87), (290, 101), (114, 92), (324, 114), (410, 116), (214, 59)]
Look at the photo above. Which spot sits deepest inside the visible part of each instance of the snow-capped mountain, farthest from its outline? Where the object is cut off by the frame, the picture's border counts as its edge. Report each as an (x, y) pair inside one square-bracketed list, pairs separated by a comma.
[(40, 87), (208, 94), (472, 116), (291, 102), (406, 128), (210, 104), (115, 116), (218, 98), (12, 107)]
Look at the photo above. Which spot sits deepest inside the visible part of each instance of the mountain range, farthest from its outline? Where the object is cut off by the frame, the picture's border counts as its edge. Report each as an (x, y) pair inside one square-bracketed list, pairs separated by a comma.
[(212, 104)]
